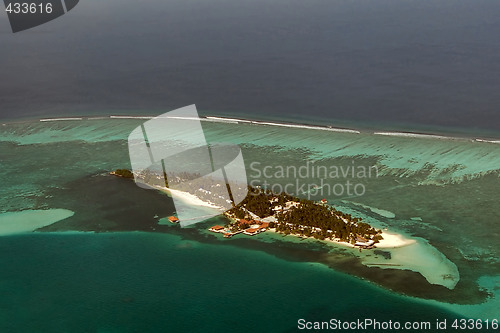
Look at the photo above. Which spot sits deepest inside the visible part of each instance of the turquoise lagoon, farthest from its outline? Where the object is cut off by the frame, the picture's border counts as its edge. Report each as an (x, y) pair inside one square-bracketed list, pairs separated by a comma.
[(148, 276)]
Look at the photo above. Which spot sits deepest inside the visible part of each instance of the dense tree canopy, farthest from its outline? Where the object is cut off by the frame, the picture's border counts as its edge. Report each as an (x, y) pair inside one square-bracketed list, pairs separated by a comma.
[(306, 217), (124, 173)]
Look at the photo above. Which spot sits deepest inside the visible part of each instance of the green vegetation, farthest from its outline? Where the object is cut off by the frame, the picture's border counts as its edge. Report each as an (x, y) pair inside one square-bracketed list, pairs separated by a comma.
[(292, 215), (166, 180), (304, 217), (125, 173), (321, 222), (262, 203)]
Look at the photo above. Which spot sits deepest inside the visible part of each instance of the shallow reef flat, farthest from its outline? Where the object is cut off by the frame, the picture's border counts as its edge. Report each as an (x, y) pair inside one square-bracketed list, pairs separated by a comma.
[(444, 191)]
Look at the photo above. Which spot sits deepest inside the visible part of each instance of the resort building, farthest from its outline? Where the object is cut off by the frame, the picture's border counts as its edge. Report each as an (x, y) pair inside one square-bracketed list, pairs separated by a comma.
[(252, 231), (256, 229), (173, 219), (243, 221), (216, 228), (363, 242)]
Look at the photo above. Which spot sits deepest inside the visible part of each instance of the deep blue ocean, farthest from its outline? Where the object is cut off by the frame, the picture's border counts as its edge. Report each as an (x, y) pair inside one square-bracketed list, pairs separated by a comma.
[(161, 283), (426, 65)]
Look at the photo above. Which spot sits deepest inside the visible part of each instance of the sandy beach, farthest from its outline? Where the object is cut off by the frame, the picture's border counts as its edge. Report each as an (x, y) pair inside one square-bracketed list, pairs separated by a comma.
[(188, 197), (405, 253), (421, 257), (392, 240)]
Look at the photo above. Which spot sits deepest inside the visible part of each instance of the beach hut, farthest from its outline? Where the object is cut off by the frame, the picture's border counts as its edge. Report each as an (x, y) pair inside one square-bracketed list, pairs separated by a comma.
[(251, 231), (173, 219), (363, 242), (216, 228)]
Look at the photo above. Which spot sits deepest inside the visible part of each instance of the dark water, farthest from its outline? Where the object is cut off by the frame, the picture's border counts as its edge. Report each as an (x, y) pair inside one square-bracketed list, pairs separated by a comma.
[(155, 282), (406, 64)]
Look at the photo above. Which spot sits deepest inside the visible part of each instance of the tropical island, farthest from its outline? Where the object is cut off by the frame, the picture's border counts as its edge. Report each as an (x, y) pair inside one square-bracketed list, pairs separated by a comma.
[(264, 210)]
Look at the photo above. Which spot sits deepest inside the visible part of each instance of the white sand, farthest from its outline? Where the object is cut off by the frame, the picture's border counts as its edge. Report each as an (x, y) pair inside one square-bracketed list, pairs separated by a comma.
[(421, 257), (393, 240), (29, 220), (188, 197), (190, 209), (407, 253)]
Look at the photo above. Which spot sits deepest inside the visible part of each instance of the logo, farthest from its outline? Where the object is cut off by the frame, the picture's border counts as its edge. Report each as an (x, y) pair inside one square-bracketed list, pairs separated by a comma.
[(26, 14), (170, 152)]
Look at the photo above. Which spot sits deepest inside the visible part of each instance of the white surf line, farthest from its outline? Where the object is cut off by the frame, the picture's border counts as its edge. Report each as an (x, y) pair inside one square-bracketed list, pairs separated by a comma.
[(222, 119), (60, 119), (98, 118), (321, 128), (488, 141), (255, 122), (418, 135), (181, 118), (155, 117), (131, 117)]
